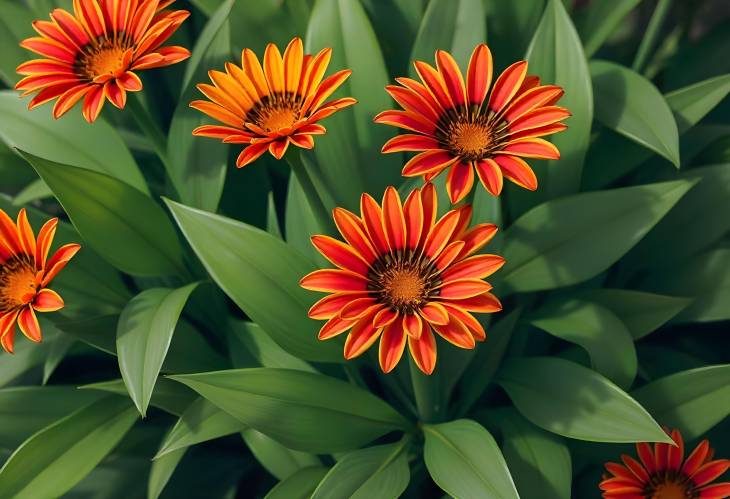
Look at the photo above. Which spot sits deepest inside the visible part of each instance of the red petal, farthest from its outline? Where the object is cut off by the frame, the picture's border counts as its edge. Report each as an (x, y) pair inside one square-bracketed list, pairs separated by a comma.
[(406, 120), (413, 325), (362, 336), (710, 471), (428, 162), (385, 316), (435, 313), (475, 267), (716, 491), (476, 238), (392, 344), (28, 323), (410, 142), (330, 280), (456, 333), (58, 261), (532, 99), (251, 153), (423, 350), (452, 77), (463, 288), (7, 330), (441, 233), (490, 176), (331, 305), (473, 325), (479, 75), (433, 81), (414, 102), (340, 254), (334, 327), (352, 229), (538, 118), (47, 300), (516, 170), (393, 221), (358, 307), (507, 85), (372, 216), (484, 303), (460, 181), (532, 148), (413, 214), (696, 458)]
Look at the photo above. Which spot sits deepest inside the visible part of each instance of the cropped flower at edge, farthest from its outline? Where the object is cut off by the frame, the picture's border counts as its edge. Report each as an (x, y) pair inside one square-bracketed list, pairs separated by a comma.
[(664, 473), (268, 107), (462, 126), (94, 53), (25, 273), (403, 274)]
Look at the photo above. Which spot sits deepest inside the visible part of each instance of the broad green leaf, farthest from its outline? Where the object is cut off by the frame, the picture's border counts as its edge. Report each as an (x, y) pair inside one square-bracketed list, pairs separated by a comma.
[(705, 278), (161, 472), (119, 222), (380, 471), (27, 356), (59, 346), (556, 56), (70, 140), (692, 401), (631, 105), (465, 461), (331, 415), (301, 223), (56, 458), (454, 26), (568, 399), (693, 225), (599, 331), (272, 220), (201, 421), (169, 396), (274, 457), (349, 154), (395, 23), (570, 240), (144, 334), (689, 105), (298, 486), (265, 350), (25, 410), (15, 25), (197, 165), (539, 461), (599, 19), (34, 191), (261, 262), (485, 363)]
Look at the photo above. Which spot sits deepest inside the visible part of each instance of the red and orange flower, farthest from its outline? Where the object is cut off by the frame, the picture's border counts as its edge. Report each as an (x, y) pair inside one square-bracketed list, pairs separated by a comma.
[(93, 53), (462, 126), (270, 107), (403, 274), (25, 273), (664, 473)]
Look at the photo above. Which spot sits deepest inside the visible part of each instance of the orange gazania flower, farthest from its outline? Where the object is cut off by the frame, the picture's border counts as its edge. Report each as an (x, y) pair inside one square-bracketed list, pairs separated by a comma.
[(271, 106), (25, 273), (403, 274), (94, 52), (464, 127), (666, 474)]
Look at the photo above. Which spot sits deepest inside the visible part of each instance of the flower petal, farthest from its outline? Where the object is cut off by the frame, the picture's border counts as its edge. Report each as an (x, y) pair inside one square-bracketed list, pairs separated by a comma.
[(507, 85), (517, 170), (423, 350), (485, 303), (428, 162), (358, 307), (452, 77), (410, 142), (28, 323), (58, 261), (331, 280), (251, 153), (331, 305), (435, 313), (413, 325), (7, 330), (353, 230), (393, 220), (372, 216), (334, 327), (362, 336), (479, 74), (475, 267), (340, 254), (532, 148), (456, 333), (392, 344), (461, 289), (47, 300), (460, 181)]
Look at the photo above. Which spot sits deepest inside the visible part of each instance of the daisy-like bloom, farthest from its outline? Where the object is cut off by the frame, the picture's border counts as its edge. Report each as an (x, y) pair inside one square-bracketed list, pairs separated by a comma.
[(462, 126), (270, 106), (93, 53), (25, 273), (402, 275), (664, 473)]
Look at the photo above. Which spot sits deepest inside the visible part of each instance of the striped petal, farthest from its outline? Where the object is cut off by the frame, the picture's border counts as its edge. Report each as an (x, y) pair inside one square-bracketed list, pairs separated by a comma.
[(435, 313), (516, 170), (410, 142), (413, 325), (362, 336), (475, 267), (428, 162), (452, 77), (28, 323), (532, 148), (461, 289), (479, 75), (485, 303), (423, 350), (460, 181), (507, 85), (340, 254), (353, 230), (392, 344), (7, 330), (47, 300), (456, 333), (334, 327), (372, 216), (58, 261), (332, 305), (393, 220), (329, 280)]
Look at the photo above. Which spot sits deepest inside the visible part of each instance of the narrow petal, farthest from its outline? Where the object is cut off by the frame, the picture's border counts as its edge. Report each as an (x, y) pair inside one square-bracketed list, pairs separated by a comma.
[(452, 77), (429, 201), (385, 316), (435, 313), (393, 221), (448, 255), (413, 214), (47, 300), (441, 234), (358, 307), (532, 99), (28, 323), (334, 327), (340, 254), (456, 333), (251, 154), (423, 350), (58, 261), (392, 344), (647, 456), (710, 471), (331, 305), (473, 325), (507, 85), (517, 170), (460, 181), (636, 468), (461, 289), (293, 58), (435, 84), (410, 142), (415, 102), (413, 325), (407, 121), (696, 458), (372, 216), (428, 162), (330, 280), (538, 118), (362, 336), (479, 74), (532, 148), (25, 233), (485, 303), (716, 491), (93, 103), (676, 452), (7, 330), (476, 238), (475, 267), (278, 148), (490, 176), (45, 239), (353, 230)]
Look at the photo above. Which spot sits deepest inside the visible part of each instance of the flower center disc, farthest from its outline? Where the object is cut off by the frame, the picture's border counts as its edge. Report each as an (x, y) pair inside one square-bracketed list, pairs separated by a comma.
[(105, 59), (470, 140), (403, 289), (277, 118), (18, 284), (670, 490)]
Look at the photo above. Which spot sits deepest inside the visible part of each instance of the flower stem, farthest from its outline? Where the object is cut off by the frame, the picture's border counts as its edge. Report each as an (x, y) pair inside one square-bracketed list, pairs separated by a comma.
[(148, 126), (321, 214)]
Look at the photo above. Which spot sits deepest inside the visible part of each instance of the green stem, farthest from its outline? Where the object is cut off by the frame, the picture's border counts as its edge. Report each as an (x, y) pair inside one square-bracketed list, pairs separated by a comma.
[(149, 127), (321, 214), (652, 31), (427, 390)]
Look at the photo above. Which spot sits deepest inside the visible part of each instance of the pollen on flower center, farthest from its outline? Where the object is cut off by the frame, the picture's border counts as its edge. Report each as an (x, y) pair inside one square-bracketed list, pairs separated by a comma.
[(670, 490), (97, 60), (403, 283), (275, 112), (468, 139), (277, 119), (405, 286), (18, 284)]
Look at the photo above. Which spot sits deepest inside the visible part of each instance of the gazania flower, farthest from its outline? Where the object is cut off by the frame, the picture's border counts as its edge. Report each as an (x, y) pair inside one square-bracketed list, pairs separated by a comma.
[(272, 106), (461, 126), (666, 474), (25, 273), (403, 275), (93, 53)]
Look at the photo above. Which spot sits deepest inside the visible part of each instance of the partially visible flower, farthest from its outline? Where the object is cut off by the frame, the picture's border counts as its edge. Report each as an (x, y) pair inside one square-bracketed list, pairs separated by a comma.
[(270, 107), (93, 53), (664, 473), (462, 126), (402, 275), (25, 273)]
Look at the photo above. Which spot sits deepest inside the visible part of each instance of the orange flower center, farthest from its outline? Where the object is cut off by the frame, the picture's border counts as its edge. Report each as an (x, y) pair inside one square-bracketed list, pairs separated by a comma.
[(671, 490), (275, 112), (101, 59), (18, 284), (470, 137), (403, 282)]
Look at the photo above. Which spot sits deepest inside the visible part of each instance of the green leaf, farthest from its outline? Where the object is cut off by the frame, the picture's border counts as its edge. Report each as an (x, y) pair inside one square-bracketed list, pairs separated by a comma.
[(347, 153), (568, 399), (331, 415), (298, 486), (59, 346), (34, 191), (454, 26), (465, 461), (272, 221), (570, 240), (119, 222), (631, 105), (642, 313), (692, 103), (56, 458), (301, 222), (705, 278), (197, 166), (161, 472), (511, 26), (262, 262), (265, 350), (15, 25), (27, 356), (144, 333), (539, 461), (599, 19), (168, 396), (70, 140), (692, 401), (599, 331), (25, 410), (556, 56), (274, 457), (380, 471)]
